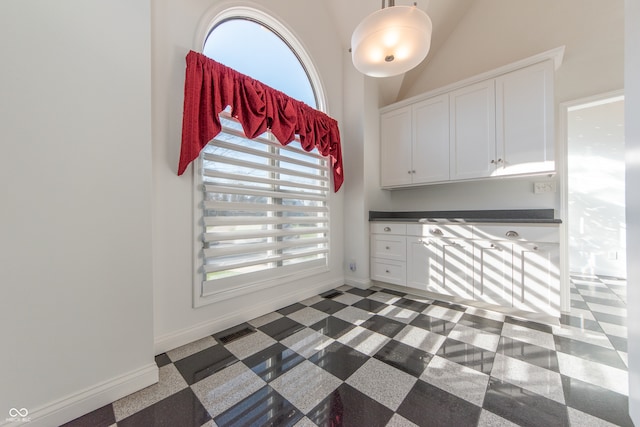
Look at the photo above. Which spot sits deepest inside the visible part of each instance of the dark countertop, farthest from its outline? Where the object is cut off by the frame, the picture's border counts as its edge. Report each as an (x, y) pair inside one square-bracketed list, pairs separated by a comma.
[(524, 216)]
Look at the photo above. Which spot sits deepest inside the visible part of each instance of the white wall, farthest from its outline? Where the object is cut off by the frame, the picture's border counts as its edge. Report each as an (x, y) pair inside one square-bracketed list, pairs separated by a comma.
[(178, 26), (632, 136), (75, 174), (497, 32)]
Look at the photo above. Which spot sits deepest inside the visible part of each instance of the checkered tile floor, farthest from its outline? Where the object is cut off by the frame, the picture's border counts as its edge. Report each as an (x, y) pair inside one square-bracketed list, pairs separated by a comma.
[(378, 357)]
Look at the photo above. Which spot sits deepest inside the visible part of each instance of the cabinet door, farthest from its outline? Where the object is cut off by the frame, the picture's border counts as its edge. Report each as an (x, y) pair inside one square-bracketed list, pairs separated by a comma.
[(472, 131), (424, 264), (493, 269), (388, 247), (431, 140), (395, 147), (524, 120), (457, 262), (536, 277)]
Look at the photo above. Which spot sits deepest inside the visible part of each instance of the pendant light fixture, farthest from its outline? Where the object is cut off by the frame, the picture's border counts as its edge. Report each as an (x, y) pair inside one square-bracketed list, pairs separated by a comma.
[(391, 41)]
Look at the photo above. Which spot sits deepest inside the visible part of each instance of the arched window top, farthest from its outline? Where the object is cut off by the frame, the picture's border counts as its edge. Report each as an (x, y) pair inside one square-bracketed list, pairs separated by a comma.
[(254, 43)]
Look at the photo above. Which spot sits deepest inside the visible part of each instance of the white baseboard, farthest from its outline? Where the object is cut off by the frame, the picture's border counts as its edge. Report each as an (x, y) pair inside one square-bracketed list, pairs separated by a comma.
[(75, 405), (357, 282), (184, 336)]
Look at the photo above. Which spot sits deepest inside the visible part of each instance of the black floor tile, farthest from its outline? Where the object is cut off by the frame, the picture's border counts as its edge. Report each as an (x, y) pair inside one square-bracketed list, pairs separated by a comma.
[(427, 405), (529, 324), (450, 305), (604, 301), (580, 323), (180, 409), (433, 324), (487, 325), (205, 363), (412, 305), (103, 417), (361, 292), (396, 293), (523, 407), (265, 407), (618, 343), (610, 318), (340, 360), (346, 406), (596, 401), (529, 353), (328, 306), (579, 304), (162, 360), (370, 305), (467, 355), (291, 309), (333, 327), (594, 353), (281, 328), (273, 361), (383, 325), (411, 360)]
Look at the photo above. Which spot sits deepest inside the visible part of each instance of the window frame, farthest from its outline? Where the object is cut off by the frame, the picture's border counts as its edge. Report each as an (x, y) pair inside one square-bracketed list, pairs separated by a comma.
[(231, 290)]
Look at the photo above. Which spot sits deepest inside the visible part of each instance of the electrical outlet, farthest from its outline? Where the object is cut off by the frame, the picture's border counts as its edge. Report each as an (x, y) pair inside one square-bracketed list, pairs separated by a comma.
[(352, 266), (544, 187)]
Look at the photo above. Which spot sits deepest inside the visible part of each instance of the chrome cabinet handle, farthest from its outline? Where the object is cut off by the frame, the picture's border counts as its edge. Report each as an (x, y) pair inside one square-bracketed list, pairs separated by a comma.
[(512, 234), (493, 246), (387, 271), (493, 162), (425, 243), (436, 231), (387, 247), (387, 229)]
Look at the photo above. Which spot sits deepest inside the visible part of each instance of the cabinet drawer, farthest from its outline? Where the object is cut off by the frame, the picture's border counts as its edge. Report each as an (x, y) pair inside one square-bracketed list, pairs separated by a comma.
[(518, 233), (388, 228), (450, 231), (389, 271), (389, 247)]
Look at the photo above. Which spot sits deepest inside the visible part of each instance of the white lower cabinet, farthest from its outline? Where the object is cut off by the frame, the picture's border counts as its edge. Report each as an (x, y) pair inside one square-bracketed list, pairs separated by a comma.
[(499, 265), (493, 272), (536, 274)]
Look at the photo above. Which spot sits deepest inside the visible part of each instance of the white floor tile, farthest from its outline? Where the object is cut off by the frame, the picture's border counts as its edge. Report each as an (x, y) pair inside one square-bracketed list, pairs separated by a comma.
[(398, 313), (590, 337), (594, 373), (530, 377), (581, 419), (353, 315), (225, 388), (191, 348), (364, 340), (382, 382), (475, 337), (308, 316), (250, 344), (464, 382), (531, 336), (306, 385), (489, 419), (263, 320), (443, 313), (420, 338)]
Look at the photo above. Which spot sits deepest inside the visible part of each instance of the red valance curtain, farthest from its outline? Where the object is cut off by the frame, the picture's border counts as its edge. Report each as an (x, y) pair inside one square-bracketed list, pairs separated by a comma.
[(210, 87)]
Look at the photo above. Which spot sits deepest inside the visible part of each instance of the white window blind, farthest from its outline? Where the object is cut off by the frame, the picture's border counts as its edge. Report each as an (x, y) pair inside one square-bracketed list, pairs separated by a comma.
[(264, 209)]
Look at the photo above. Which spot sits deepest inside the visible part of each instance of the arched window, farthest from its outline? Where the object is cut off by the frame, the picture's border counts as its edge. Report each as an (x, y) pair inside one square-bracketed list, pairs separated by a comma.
[(262, 208)]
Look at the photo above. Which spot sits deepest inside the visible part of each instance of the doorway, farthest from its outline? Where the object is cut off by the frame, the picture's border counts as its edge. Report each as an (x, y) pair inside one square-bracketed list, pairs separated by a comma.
[(595, 187)]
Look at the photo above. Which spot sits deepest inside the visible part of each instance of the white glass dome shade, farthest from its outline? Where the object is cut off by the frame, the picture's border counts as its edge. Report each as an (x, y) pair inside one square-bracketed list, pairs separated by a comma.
[(391, 41)]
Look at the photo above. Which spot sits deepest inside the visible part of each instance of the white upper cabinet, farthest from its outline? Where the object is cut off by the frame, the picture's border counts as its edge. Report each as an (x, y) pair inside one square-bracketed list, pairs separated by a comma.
[(496, 124), (396, 135), (473, 133), (414, 143), (431, 140), (524, 120)]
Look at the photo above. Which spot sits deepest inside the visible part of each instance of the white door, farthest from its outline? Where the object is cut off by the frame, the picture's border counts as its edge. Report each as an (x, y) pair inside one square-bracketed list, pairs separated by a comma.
[(431, 140), (395, 147), (472, 131), (524, 120), (493, 268), (424, 264)]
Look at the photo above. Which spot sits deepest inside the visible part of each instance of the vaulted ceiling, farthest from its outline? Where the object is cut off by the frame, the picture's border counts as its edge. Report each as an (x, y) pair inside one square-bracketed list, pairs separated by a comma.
[(445, 16)]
